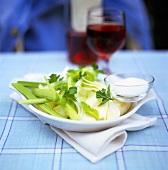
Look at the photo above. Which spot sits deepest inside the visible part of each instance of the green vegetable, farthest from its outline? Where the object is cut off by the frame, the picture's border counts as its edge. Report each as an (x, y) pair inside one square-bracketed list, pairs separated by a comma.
[(28, 94), (48, 84), (70, 93), (33, 101), (105, 95), (46, 93), (89, 73), (67, 95), (71, 112), (54, 78), (95, 68), (90, 111), (80, 76), (31, 84)]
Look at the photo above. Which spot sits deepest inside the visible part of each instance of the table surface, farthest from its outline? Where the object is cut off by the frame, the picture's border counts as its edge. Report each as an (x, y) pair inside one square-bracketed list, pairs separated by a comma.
[(26, 143)]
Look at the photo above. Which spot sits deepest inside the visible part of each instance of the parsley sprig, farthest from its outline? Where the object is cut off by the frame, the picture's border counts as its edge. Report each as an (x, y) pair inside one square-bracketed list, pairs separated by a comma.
[(70, 93), (54, 78), (105, 95), (96, 69)]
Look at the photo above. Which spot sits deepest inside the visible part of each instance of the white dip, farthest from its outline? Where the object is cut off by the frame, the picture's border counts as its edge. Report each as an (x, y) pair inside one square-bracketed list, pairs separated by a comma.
[(129, 87)]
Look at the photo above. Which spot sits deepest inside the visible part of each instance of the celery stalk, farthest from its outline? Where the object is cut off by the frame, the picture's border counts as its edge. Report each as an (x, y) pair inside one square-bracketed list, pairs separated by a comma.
[(33, 101), (58, 84), (48, 84), (71, 112), (27, 93), (31, 84), (90, 111), (46, 93)]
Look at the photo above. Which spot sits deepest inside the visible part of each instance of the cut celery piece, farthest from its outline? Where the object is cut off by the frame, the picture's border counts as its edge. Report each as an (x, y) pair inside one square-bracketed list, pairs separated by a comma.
[(58, 84), (48, 84), (60, 109), (50, 111), (27, 93), (90, 111), (31, 83), (33, 101), (71, 112), (46, 93)]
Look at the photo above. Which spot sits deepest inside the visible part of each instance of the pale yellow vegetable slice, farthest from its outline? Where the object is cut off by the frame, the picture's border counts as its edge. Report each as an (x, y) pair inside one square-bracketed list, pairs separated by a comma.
[(113, 111), (123, 106)]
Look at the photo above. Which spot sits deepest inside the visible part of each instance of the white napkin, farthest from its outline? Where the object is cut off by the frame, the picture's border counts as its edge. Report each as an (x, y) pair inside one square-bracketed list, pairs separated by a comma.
[(97, 145)]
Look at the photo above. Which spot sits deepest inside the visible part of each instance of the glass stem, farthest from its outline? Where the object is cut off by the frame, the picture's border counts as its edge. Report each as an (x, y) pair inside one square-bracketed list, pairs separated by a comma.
[(104, 65)]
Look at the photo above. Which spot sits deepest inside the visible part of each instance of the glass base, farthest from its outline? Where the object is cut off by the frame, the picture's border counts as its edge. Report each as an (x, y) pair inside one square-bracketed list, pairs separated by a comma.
[(130, 98)]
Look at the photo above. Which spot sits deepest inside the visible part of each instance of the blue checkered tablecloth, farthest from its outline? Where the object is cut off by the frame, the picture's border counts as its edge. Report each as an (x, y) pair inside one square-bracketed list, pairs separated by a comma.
[(26, 143)]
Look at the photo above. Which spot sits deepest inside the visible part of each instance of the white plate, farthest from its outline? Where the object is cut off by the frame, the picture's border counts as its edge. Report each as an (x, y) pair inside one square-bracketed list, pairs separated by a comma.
[(82, 126)]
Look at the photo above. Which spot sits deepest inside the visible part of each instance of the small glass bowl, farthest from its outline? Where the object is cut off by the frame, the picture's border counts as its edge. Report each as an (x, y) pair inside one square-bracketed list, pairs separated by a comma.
[(129, 87)]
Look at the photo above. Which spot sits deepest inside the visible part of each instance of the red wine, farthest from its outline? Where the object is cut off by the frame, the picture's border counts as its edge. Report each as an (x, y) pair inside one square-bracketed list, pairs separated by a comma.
[(105, 39), (78, 51)]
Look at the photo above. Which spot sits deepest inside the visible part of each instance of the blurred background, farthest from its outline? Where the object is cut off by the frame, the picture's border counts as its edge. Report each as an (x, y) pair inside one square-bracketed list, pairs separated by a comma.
[(42, 25)]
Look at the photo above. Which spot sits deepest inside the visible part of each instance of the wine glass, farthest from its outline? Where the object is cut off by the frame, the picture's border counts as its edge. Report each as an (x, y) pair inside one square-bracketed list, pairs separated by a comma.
[(106, 33)]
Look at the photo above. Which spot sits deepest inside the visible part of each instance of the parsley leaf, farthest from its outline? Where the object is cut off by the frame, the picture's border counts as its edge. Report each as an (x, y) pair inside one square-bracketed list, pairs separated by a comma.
[(54, 78), (105, 95), (72, 90), (95, 68), (70, 93)]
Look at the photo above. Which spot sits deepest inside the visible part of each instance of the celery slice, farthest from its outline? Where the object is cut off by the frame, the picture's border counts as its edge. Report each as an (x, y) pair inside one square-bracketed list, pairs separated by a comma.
[(33, 101), (48, 84), (25, 91), (50, 111), (58, 84), (90, 111), (31, 83), (46, 93), (71, 112)]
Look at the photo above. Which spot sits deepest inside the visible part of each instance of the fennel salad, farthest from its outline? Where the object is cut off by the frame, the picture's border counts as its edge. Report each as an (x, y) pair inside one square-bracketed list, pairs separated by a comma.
[(77, 94)]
